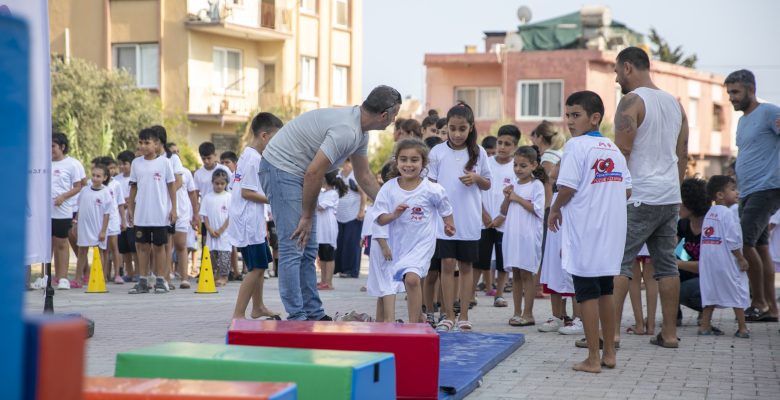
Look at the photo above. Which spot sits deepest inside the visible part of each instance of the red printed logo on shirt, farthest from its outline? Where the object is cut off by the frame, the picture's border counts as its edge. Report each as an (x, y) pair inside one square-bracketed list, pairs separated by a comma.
[(223, 209), (604, 169), (56, 172), (507, 181), (237, 177), (157, 176), (98, 202), (709, 236), (417, 214)]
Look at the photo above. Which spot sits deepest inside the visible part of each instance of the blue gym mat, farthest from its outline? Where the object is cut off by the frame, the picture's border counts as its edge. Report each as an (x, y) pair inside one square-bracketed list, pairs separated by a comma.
[(466, 357)]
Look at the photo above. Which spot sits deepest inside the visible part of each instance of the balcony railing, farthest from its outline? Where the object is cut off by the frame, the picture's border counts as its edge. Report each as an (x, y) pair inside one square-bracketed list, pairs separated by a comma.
[(253, 19)]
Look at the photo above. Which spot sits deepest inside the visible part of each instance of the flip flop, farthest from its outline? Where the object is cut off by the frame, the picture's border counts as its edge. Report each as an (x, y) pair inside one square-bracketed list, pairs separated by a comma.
[(743, 335), (658, 340)]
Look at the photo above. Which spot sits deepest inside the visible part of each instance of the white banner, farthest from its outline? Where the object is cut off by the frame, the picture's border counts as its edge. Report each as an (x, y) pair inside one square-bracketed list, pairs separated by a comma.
[(39, 180)]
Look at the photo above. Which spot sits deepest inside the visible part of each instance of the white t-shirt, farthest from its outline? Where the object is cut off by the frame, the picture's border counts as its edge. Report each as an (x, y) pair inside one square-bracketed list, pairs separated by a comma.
[(552, 156), (412, 236), (445, 167), (594, 220), (183, 203), (114, 223), (93, 206), (247, 218), (124, 181), (502, 175), (349, 205), (774, 237), (327, 227), (202, 178), (216, 207), (552, 273), (522, 241), (722, 283), (64, 174), (152, 203)]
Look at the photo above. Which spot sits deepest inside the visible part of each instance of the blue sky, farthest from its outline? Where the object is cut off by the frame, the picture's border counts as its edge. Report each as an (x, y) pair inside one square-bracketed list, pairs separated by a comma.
[(725, 35)]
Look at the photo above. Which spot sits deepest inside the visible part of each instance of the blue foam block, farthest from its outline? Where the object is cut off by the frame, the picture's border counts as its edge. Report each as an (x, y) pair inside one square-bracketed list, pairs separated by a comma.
[(466, 357)]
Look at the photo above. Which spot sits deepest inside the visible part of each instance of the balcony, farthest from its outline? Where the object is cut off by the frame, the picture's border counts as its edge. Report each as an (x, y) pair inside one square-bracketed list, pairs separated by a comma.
[(207, 105), (261, 20)]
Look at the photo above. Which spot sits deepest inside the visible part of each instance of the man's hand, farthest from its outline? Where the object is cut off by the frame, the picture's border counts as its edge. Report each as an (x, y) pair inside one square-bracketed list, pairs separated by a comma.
[(555, 219), (302, 232), (449, 230)]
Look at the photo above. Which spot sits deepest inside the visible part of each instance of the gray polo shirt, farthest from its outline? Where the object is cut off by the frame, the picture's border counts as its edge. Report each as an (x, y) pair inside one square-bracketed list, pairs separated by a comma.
[(335, 131)]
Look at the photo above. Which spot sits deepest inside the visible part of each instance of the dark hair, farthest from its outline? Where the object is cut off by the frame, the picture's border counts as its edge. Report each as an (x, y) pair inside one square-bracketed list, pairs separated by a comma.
[(60, 139), (509, 130), (264, 122), (387, 169), (717, 183), (406, 144), (206, 149), (432, 141), (742, 76), (381, 99), (398, 122), (441, 123), (126, 156), (155, 132), (431, 119), (108, 160), (228, 155), (589, 101), (219, 173), (693, 192), (464, 111), (332, 179), (530, 153), (547, 132), (104, 168), (413, 126), (634, 56), (488, 142)]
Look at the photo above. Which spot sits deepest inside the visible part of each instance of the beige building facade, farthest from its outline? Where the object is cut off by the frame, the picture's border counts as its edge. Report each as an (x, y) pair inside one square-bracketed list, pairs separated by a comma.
[(218, 61)]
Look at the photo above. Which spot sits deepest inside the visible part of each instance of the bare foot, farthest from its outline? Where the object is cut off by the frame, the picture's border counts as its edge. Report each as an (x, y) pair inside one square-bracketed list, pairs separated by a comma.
[(588, 366), (608, 361), (263, 312), (239, 316)]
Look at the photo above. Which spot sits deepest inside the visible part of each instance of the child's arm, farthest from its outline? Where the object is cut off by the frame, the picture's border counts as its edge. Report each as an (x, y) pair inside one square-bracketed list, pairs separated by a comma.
[(193, 195), (741, 260), (449, 225), (104, 227), (172, 195), (122, 224), (505, 205), (565, 194), (208, 227), (385, 219), (486, 220), (224, 227), (255, 197), (511, 196), (70, 193), (131, 203), (472, 178), (386, 252)]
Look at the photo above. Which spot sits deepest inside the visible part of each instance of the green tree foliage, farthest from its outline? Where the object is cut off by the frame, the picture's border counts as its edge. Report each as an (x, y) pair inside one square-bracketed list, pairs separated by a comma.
[(663, 51), (380, 152)]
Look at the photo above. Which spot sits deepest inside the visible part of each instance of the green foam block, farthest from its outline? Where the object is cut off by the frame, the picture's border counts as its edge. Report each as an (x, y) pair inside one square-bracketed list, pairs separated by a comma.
[(319, 374)]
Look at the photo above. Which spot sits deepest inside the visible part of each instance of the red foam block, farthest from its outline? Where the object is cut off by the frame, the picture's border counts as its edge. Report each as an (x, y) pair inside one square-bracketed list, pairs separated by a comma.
[(415, 346), (54, 363), (108, 388)]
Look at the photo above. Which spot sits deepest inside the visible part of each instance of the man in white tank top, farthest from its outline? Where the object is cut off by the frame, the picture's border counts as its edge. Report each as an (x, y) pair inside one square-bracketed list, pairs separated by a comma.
[(651, 131)]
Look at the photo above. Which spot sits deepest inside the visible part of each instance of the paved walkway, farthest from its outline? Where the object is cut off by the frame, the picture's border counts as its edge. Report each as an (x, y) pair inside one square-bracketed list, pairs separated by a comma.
[(703, 367)]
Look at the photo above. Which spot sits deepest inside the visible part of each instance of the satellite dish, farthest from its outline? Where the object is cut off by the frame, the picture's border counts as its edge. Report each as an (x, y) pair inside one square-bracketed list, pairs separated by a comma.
[(524, 14)]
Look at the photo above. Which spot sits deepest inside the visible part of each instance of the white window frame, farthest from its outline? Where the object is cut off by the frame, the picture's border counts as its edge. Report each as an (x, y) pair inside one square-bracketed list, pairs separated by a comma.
[(336, 16), (519, 103), (308, 75), (306, 10), (238, 88), (138, 61), (336, 98), (477, 106)]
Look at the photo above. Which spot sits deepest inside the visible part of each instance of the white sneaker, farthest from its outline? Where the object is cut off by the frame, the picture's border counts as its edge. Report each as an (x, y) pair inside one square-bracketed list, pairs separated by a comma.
[(574, 329), (64, 284), (552, 325), (37, 284)]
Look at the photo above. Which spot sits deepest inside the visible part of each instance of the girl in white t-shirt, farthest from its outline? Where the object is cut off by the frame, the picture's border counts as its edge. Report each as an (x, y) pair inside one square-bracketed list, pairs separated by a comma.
[(523, 207), (333, 188), (215, 212), (408, 204), (95, 205), (116, 224), (460, 166)]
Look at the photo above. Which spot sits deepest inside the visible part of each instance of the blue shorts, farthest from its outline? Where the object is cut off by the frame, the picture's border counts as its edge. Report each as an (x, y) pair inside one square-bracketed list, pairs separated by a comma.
[(256, 256)]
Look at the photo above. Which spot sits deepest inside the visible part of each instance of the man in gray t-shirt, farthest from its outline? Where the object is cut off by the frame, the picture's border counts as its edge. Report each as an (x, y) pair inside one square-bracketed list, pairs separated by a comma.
[(291, 173)]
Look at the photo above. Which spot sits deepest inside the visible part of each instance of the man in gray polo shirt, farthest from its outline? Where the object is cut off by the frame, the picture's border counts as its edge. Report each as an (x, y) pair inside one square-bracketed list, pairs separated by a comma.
[(291, 173)]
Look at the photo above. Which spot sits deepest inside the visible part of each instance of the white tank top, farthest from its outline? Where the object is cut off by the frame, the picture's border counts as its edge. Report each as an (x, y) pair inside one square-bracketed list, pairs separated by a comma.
[(653, 160)]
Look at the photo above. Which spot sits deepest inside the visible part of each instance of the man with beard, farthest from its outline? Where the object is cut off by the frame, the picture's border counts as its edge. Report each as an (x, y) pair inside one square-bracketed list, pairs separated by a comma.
[(758, 183)]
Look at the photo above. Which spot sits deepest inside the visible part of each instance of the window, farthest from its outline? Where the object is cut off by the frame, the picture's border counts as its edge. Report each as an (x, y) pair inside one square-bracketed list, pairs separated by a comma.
[(309, 6), (539, 99), (308, 77), (340, 85), (227, 70), (341, 13), (717, 117), (485, 101), (141, 61), (267, 78), (693, 112)]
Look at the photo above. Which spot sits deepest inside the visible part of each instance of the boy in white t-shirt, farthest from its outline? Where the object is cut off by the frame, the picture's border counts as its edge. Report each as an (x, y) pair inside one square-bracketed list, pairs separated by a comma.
[(127, 236), (593, 185), (152, 208)]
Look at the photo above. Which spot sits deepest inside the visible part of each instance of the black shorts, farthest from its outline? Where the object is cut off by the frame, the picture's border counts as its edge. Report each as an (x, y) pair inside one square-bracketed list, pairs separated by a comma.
[(589, 288), (461, 250), (755, 210), (491, 238), (60, 227), (127, 241), (171, 229), (273, 240), (435, 265), (256, 256), (326, 252), (156, 235)]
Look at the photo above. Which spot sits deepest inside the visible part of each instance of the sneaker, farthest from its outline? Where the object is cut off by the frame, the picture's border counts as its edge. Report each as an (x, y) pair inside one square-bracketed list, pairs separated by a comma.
[(574, 329), (76, 285), (127, 278), (118, 280), (170, 285), (552, 325), (140, 287), (160, 286), (64, 284), (326, 318)]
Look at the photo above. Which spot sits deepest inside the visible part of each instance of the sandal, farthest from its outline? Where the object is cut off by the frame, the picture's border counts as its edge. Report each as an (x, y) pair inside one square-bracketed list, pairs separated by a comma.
[(710, 332), (464, 326), (499, 302), (658, 340), (444, 325), (583, 344), (742, 335), (520, 321)]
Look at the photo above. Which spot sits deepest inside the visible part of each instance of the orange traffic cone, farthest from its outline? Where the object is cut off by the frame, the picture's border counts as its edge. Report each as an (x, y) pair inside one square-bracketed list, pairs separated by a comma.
[(97, 283), (206, 279)]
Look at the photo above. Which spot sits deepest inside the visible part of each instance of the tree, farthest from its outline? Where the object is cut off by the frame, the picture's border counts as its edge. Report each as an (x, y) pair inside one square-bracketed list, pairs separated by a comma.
[(664, 52)]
